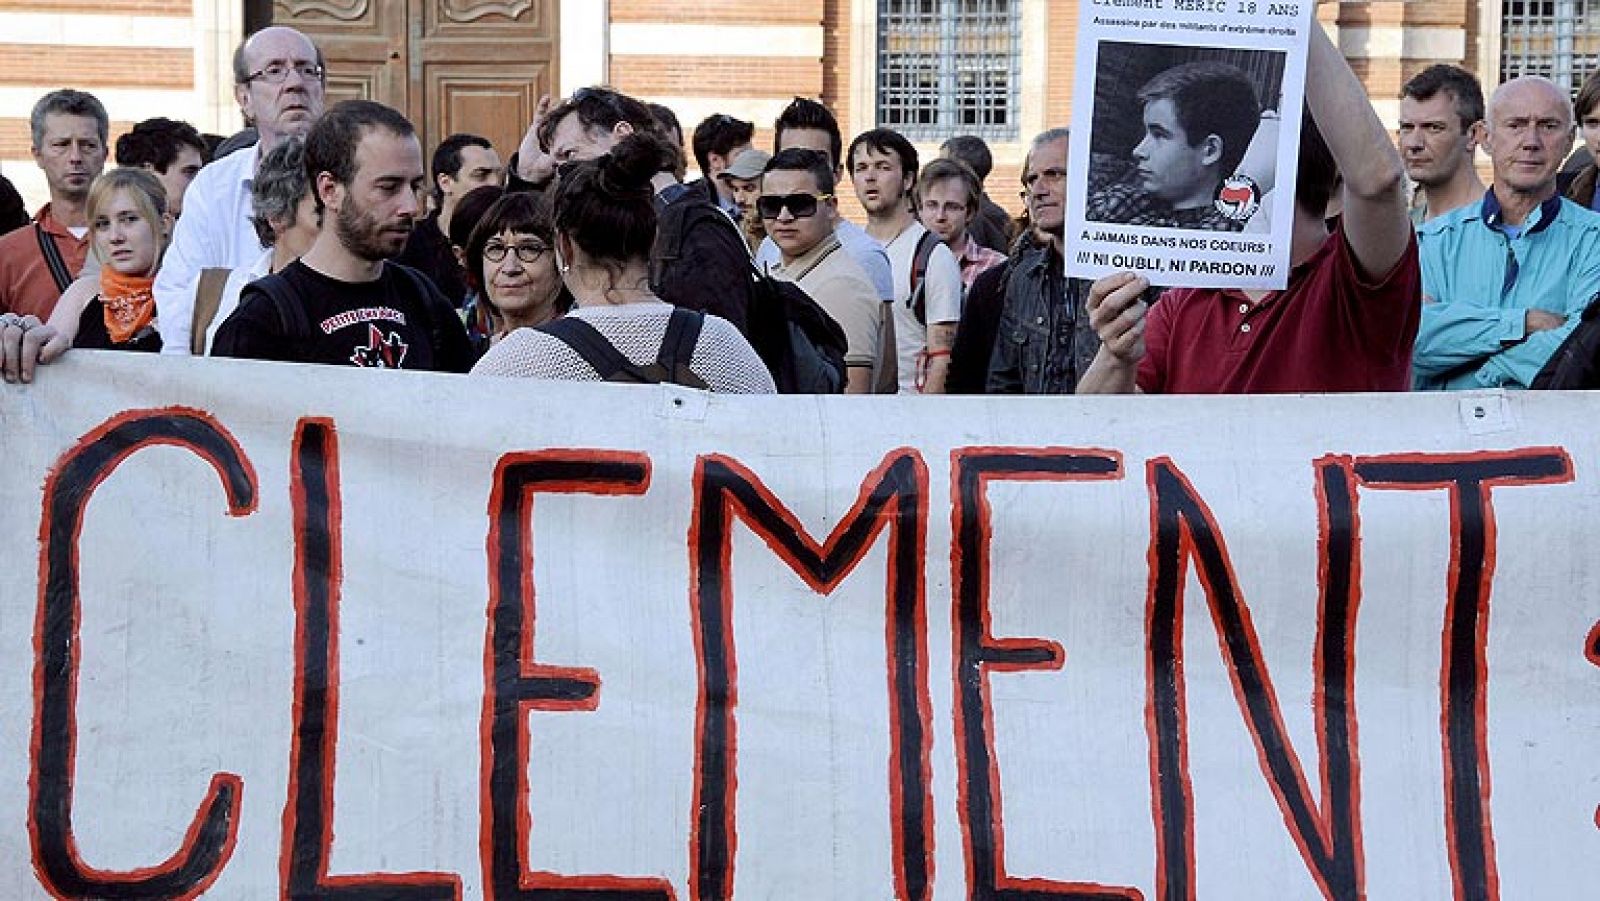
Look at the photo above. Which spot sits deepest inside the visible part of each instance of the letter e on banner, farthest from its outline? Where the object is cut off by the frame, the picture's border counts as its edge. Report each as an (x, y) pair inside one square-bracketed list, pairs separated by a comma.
[(979, 654), (515, 684)]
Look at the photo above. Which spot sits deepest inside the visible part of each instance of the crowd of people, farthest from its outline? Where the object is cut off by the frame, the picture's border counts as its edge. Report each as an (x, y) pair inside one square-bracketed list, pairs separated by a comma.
[(320, 236)]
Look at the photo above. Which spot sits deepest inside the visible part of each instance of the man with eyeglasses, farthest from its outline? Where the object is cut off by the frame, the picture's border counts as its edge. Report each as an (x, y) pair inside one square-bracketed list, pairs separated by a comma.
[(797, 204), (1506, 279), (278, 82), (947, 199)]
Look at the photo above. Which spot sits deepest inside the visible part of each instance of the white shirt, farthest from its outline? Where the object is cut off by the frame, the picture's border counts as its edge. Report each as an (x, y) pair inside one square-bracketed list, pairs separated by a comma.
[(942, 295), (866, 251), (231, 290), (213, 232)]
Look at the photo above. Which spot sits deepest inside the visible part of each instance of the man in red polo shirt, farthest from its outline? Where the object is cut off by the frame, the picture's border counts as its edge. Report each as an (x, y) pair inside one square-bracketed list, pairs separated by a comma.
[(1347, 319), (69, 144)]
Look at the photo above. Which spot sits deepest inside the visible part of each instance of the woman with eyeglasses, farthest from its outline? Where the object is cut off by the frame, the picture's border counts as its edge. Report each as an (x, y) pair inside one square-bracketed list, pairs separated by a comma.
[(605, 226), (511, 266)]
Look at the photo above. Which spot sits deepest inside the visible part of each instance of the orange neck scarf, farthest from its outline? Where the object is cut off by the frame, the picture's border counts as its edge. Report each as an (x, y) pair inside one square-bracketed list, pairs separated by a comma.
[(128, 304)]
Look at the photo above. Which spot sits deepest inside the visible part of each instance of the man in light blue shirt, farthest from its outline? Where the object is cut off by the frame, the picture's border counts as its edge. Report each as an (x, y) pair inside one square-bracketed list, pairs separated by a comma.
[(1505, 280)]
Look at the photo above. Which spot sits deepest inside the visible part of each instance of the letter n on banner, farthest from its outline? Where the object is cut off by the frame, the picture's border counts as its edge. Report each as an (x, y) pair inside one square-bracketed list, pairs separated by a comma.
[(210, 838), (516, 684), (1184, 529), (893, 496), (979, 654)]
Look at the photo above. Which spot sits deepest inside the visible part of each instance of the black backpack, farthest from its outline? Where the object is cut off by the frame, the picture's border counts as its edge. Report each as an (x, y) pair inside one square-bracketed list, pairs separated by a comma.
[(700, 262), (801, 344), (1576, 363), (918, 300), (671, 363)]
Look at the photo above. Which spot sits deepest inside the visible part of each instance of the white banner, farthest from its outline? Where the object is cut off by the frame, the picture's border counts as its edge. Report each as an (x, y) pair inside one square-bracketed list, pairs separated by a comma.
[(1185, 140), (272, 631)]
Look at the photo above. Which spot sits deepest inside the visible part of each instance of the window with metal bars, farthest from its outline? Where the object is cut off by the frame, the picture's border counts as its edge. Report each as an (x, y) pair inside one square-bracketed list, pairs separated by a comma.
[(1559, 39), (950, 67)]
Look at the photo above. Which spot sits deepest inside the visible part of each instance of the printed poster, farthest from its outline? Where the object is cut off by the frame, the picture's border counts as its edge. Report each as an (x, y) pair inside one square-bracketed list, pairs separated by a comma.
[(1185, 135)]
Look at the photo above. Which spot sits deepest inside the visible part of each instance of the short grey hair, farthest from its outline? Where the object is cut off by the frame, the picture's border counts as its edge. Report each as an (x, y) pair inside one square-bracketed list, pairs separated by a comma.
[(1049, 136), (67, 102), (279, 185)]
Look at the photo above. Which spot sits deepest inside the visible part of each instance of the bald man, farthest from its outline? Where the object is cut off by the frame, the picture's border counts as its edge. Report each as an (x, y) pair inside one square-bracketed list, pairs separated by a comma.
[(278, 82), (1505, 279)]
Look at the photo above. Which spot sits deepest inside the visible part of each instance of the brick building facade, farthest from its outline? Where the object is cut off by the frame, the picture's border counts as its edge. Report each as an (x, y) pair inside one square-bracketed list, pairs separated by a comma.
[(872, 61)]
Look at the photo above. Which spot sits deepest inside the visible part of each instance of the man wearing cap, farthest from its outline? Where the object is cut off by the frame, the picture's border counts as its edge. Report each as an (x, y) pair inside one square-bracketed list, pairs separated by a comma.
[(743, 181)]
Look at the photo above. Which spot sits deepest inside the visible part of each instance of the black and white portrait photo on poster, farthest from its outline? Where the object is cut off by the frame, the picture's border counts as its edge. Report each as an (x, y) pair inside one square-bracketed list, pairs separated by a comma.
[(1185, 124), (1173, 128)]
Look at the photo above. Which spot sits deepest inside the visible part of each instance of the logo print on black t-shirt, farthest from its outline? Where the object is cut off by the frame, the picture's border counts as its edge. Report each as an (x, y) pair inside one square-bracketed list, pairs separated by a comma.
[(382, 351)]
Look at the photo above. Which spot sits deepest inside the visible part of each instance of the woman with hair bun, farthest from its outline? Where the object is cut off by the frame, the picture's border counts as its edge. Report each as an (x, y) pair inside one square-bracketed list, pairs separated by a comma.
[(605, 225)]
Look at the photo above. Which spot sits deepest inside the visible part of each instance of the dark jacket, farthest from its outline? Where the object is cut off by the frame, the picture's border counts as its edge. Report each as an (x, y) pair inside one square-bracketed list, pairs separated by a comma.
[(991, 227), (1045, 341)]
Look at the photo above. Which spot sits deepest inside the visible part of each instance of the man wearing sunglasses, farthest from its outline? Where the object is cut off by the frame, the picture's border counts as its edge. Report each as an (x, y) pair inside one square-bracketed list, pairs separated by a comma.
[(798, 206), (278, 79)]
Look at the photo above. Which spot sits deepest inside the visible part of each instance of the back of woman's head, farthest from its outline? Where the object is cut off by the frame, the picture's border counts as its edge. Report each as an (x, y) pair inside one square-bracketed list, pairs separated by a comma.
[(606, 205), (143, 189)]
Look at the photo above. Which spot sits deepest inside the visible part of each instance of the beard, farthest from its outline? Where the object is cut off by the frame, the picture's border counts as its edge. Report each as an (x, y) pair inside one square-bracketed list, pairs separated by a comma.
[(364, 236)]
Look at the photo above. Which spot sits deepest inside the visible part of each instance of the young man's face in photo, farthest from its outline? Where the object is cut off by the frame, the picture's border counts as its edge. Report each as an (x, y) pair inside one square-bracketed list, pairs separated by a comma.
[(1170, 167), (879, 180)]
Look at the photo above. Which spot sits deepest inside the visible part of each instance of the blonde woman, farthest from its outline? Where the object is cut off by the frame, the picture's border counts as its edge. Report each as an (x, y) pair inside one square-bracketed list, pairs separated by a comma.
[(129, 227)]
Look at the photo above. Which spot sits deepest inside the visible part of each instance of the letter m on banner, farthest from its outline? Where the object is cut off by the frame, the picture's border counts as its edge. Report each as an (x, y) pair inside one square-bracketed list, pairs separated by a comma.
[(893, 497)]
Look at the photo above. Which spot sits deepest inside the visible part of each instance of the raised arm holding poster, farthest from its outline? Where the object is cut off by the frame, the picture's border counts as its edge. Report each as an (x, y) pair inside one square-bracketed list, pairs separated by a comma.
[(1185, 122)]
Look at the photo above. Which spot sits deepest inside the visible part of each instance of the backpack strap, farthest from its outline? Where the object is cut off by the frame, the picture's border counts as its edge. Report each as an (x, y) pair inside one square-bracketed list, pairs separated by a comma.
[(207, 300), (601, 355), (52, 258), (291, 313), (423, 289), (919, 271), (677, 348)]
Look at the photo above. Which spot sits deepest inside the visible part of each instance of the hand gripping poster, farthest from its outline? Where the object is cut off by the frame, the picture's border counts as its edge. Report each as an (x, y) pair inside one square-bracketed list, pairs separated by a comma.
[(1185, 135)]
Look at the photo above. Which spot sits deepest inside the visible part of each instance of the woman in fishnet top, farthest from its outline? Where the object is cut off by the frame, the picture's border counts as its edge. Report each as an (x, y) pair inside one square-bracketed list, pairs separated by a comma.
[(605, 223)]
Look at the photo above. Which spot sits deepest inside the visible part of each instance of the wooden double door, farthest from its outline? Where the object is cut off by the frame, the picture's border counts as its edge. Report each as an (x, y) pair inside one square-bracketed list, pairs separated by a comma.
[(451, 66)]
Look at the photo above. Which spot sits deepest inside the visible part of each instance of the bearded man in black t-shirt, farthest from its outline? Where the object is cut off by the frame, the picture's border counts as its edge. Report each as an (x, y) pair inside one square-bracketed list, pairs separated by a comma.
[(341, 304)]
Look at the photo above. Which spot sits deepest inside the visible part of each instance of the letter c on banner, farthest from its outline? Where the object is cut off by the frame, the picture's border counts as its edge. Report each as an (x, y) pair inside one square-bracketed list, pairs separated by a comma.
[(210, 838)]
